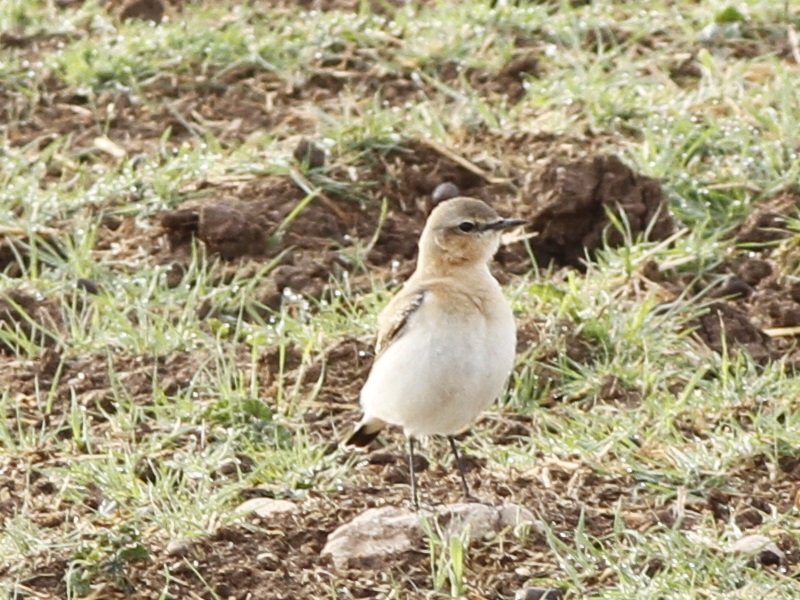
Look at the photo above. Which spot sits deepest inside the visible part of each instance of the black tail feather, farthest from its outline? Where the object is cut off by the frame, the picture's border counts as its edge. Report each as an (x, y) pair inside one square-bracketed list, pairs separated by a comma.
[(363, 436)]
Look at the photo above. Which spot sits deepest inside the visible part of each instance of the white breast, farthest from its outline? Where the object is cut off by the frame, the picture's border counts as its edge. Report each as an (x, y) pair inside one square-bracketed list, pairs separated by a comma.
[(445, 369)]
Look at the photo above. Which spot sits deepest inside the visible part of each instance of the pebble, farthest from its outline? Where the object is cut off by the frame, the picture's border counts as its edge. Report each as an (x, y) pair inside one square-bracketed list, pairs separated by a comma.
[(760, 547), (179, 548), (536, 593), (445, 191)]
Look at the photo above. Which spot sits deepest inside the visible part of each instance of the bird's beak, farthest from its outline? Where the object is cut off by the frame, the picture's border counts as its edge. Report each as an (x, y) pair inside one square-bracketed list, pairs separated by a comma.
[(504, 224)]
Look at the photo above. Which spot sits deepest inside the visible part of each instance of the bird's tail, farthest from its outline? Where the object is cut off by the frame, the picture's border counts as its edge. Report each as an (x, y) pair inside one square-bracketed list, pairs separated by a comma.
[(367, 430)]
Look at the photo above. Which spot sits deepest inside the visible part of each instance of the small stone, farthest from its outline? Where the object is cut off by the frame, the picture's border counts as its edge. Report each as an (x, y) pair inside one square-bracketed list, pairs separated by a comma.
[(180, 548), (266, 507), (445, 191), (307, 152), (759, 547), (536, 593), (104, 144)]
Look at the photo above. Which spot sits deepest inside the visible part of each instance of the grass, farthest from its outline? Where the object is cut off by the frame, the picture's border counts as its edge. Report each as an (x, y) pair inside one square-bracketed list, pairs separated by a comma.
[(166, 403)]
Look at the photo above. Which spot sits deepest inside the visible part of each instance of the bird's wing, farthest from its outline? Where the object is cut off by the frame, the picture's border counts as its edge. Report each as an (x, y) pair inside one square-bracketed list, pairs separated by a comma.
[(394, 319)]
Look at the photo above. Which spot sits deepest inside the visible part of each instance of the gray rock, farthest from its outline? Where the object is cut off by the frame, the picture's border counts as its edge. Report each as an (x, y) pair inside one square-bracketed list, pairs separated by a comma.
[(380, 533), (445, 191), (180, 548), (759, 547)]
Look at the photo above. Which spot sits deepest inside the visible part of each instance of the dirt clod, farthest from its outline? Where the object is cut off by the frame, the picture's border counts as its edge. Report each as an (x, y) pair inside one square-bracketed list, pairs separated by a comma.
[(613, 389), (569, 202), (89, 286), (29, 316), (308, 153), (718, 503), (726, 327), (233, 228), (145, 10), (20, 252), (49, 362), (754, 270), (654, 566), (767, 224), (749, 518), (734, 288), (146, 470)]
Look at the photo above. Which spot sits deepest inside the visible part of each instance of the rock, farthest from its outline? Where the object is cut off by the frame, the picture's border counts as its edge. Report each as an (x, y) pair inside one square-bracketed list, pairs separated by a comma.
[(535, 593), (266, 507), (179, 548), (759, 547), (445, 191), (375, 534), (379, 533), (103, 144)]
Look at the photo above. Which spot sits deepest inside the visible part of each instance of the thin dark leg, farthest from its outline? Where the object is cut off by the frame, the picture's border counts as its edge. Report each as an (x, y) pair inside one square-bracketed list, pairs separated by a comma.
[(464, 483), (412, 475)]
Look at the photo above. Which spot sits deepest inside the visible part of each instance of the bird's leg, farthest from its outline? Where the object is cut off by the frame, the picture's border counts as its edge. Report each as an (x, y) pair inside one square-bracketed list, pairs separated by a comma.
[(464, 483), (412, 475)]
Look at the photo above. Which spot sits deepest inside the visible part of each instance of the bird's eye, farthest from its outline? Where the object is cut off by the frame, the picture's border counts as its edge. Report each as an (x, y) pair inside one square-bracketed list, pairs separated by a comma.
[(466, 226)]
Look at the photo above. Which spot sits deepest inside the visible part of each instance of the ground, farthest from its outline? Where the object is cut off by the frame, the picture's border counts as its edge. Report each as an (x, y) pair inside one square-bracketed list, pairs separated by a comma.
[(203, 206)]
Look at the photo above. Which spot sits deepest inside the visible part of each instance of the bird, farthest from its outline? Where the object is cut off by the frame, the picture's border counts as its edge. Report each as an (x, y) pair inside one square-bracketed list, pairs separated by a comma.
[(446, 341)]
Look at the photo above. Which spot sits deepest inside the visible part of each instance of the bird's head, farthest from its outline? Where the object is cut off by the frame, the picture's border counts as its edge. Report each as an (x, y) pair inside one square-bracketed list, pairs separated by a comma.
[(462, 232)]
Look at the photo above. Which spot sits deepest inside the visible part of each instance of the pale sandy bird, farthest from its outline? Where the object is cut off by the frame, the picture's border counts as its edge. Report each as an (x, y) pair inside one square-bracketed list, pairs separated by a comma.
[(446, 342)]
